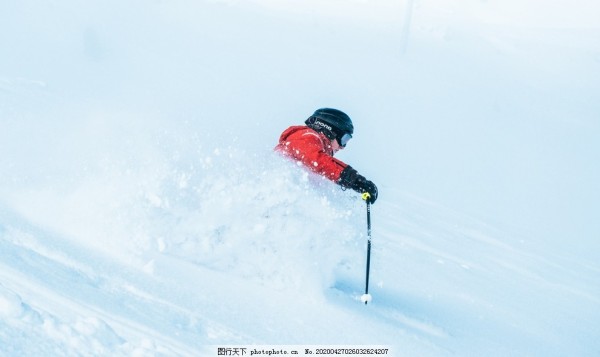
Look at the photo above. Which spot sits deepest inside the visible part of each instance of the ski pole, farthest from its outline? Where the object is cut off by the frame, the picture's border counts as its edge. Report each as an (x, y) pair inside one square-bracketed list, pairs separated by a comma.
[(366, 296)]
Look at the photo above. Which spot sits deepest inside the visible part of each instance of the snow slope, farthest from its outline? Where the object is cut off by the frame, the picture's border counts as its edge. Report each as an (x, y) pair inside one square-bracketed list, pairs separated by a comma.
[(142, 211)]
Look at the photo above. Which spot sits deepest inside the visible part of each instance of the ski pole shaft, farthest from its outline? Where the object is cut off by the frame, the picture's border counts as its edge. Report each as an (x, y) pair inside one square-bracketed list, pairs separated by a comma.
[(366, 197)]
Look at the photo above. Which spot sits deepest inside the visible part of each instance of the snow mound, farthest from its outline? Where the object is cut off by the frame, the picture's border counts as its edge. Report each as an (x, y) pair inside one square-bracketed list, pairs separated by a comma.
[(11, 305), (85, 336)]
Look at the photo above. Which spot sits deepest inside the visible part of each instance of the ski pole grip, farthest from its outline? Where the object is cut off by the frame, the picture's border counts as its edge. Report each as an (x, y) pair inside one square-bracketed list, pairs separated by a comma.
[(365, 196)]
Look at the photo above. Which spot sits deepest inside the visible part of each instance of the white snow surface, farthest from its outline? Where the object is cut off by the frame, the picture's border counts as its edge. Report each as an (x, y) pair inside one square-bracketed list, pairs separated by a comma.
[(144, 213)]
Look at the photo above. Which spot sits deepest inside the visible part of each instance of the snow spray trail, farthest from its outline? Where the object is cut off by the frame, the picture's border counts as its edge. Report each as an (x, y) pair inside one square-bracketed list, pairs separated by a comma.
[(258, 217)]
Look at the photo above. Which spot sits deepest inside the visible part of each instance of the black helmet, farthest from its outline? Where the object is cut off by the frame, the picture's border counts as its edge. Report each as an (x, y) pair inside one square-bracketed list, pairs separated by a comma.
[(332, 122)]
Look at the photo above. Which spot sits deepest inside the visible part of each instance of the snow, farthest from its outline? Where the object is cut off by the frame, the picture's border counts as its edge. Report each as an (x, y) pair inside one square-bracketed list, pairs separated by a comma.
[(144, 213), (366, 298)]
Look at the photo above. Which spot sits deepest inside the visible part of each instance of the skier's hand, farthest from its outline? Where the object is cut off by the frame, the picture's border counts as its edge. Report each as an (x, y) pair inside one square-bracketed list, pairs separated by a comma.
[(369, 187), (350, 178)]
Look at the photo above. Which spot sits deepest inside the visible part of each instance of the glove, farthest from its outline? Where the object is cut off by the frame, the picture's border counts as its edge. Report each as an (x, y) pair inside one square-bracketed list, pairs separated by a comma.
[(350, 178)]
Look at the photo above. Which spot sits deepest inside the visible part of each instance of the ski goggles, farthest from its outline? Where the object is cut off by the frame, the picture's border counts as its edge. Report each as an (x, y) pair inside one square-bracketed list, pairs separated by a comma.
[(343, 140)]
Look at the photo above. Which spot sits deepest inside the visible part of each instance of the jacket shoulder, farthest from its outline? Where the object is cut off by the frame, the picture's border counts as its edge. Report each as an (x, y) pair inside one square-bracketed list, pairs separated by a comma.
[(291, 130), (299, 132)]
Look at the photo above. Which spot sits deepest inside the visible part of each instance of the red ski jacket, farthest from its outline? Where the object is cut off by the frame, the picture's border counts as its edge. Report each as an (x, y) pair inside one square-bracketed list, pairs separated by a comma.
[(311, 148)]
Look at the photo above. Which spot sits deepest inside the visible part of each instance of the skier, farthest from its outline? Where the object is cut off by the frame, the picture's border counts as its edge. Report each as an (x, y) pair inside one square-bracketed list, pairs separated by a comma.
[(326, 132)]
